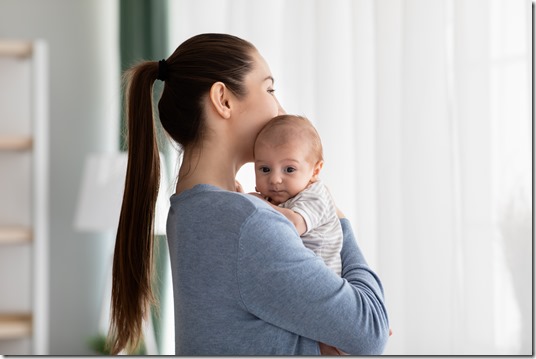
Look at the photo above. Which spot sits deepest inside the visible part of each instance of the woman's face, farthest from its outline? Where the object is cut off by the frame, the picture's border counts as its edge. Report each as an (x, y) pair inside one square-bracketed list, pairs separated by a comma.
[(257, 107)]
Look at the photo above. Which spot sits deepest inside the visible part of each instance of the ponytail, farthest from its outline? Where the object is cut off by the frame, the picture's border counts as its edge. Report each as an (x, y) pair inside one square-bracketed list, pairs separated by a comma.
[(188, 73), (132, 294)]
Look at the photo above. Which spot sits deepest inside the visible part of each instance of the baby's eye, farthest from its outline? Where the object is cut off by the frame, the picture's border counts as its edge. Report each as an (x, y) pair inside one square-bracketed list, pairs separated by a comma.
[(290, 169), (264, 169)]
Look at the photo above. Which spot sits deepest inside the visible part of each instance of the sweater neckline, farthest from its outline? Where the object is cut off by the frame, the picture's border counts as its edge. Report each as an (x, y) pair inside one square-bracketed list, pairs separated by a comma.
[(198, 188)]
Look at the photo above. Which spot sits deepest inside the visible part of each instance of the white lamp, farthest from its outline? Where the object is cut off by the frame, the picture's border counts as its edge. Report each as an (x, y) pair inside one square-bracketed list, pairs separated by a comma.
[(98, 210)]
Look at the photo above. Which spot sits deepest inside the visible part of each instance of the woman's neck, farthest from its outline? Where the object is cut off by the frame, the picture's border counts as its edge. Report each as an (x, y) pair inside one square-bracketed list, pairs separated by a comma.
[(207, 167)]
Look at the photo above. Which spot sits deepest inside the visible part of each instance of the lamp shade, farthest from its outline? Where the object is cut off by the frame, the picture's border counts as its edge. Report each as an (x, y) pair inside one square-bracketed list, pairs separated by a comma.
[(101, 194)]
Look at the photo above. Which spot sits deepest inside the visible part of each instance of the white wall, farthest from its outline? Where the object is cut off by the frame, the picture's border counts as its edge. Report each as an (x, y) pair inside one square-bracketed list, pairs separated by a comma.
[(84, 72)]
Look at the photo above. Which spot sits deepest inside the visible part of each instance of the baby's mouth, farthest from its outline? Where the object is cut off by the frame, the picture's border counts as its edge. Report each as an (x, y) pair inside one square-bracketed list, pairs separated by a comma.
[(279, 195)]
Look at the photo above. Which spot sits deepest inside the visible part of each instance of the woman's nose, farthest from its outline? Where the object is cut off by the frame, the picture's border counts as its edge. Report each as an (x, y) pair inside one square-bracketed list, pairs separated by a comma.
[(280, 109)]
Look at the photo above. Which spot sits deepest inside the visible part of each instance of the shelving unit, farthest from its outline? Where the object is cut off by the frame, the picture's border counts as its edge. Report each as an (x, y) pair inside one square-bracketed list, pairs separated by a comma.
[(23, 198), (15, 235), (15, 326), (16, 143)]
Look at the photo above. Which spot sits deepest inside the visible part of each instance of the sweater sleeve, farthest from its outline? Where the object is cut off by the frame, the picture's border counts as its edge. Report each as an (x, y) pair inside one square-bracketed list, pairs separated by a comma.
[(287, 285)]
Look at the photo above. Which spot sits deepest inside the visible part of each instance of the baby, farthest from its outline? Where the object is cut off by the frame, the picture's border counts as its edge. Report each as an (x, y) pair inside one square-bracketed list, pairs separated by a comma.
[(288, 160)]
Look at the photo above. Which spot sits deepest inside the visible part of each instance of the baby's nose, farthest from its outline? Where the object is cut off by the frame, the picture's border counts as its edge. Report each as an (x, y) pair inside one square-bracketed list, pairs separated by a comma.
[(275, 178)]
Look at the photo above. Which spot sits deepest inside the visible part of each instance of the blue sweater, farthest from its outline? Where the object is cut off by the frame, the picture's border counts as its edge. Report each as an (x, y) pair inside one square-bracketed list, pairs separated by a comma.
[(244, 284)]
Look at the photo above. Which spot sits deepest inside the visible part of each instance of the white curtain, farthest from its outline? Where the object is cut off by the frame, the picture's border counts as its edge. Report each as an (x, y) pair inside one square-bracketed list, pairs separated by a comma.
[(424, 110)]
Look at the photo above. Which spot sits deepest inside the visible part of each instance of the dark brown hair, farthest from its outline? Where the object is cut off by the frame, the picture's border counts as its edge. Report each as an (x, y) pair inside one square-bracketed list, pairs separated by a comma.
[(191, 70)]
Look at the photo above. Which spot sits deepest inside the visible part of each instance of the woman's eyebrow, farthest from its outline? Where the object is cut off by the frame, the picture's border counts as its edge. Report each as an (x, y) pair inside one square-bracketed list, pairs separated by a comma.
[(270, 78)]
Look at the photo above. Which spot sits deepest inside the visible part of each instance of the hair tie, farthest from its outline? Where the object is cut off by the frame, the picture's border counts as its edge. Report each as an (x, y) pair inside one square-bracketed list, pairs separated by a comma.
[(162, 70)]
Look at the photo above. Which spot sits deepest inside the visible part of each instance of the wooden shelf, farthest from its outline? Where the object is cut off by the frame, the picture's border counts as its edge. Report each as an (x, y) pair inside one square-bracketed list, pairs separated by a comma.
[(24, 160), (14, 235), (15, 48), (16, 143), (15, 326)]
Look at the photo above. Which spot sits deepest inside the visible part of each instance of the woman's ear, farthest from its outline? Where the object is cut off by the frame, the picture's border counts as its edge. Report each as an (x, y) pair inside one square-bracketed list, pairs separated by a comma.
[(219, 98), (316, 170)]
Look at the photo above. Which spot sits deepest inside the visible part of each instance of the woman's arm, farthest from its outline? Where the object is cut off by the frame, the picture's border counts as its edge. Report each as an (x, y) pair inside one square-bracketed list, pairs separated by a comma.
[(289, 286)]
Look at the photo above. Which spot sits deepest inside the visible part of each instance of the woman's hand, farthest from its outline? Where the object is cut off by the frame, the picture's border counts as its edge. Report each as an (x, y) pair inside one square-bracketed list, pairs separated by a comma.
[(329, 350), (339, 213)]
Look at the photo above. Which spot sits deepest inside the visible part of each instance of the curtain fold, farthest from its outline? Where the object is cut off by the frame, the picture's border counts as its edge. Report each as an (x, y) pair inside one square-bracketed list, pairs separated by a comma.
[(144, 36), (424, 112), (143, 31)]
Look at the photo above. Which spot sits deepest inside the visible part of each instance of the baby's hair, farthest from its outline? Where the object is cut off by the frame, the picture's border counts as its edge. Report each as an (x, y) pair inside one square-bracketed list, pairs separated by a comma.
[(286, 128)]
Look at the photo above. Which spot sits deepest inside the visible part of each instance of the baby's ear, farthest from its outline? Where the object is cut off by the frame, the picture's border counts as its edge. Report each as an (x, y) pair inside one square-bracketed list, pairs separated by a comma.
[(316, 170)]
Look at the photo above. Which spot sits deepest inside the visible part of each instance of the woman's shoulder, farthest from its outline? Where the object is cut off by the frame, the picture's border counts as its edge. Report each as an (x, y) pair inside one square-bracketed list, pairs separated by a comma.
[(211, 199)]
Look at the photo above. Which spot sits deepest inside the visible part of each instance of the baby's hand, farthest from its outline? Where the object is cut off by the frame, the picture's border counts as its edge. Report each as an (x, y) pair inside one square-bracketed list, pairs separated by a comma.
[(238, 187)]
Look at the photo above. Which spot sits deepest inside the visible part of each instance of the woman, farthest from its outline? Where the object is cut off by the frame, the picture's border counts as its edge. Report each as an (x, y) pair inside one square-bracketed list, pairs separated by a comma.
[(243, 282)]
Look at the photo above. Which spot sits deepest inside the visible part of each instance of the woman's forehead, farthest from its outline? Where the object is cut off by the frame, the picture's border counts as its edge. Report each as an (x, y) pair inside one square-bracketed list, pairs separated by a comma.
[(261, 71)]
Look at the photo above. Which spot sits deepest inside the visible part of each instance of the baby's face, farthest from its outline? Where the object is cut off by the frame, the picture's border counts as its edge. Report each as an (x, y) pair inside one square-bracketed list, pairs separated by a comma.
[(282, 171)]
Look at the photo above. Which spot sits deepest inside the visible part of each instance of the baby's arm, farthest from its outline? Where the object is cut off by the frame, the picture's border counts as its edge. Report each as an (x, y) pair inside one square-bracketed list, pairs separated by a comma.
[(295, 218)]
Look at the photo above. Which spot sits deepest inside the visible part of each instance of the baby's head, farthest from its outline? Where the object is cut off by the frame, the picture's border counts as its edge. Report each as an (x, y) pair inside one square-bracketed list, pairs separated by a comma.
[(288, 157)]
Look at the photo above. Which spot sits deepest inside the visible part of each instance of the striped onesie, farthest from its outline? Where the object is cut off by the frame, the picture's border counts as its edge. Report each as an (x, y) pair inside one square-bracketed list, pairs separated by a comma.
[(324, 233)]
